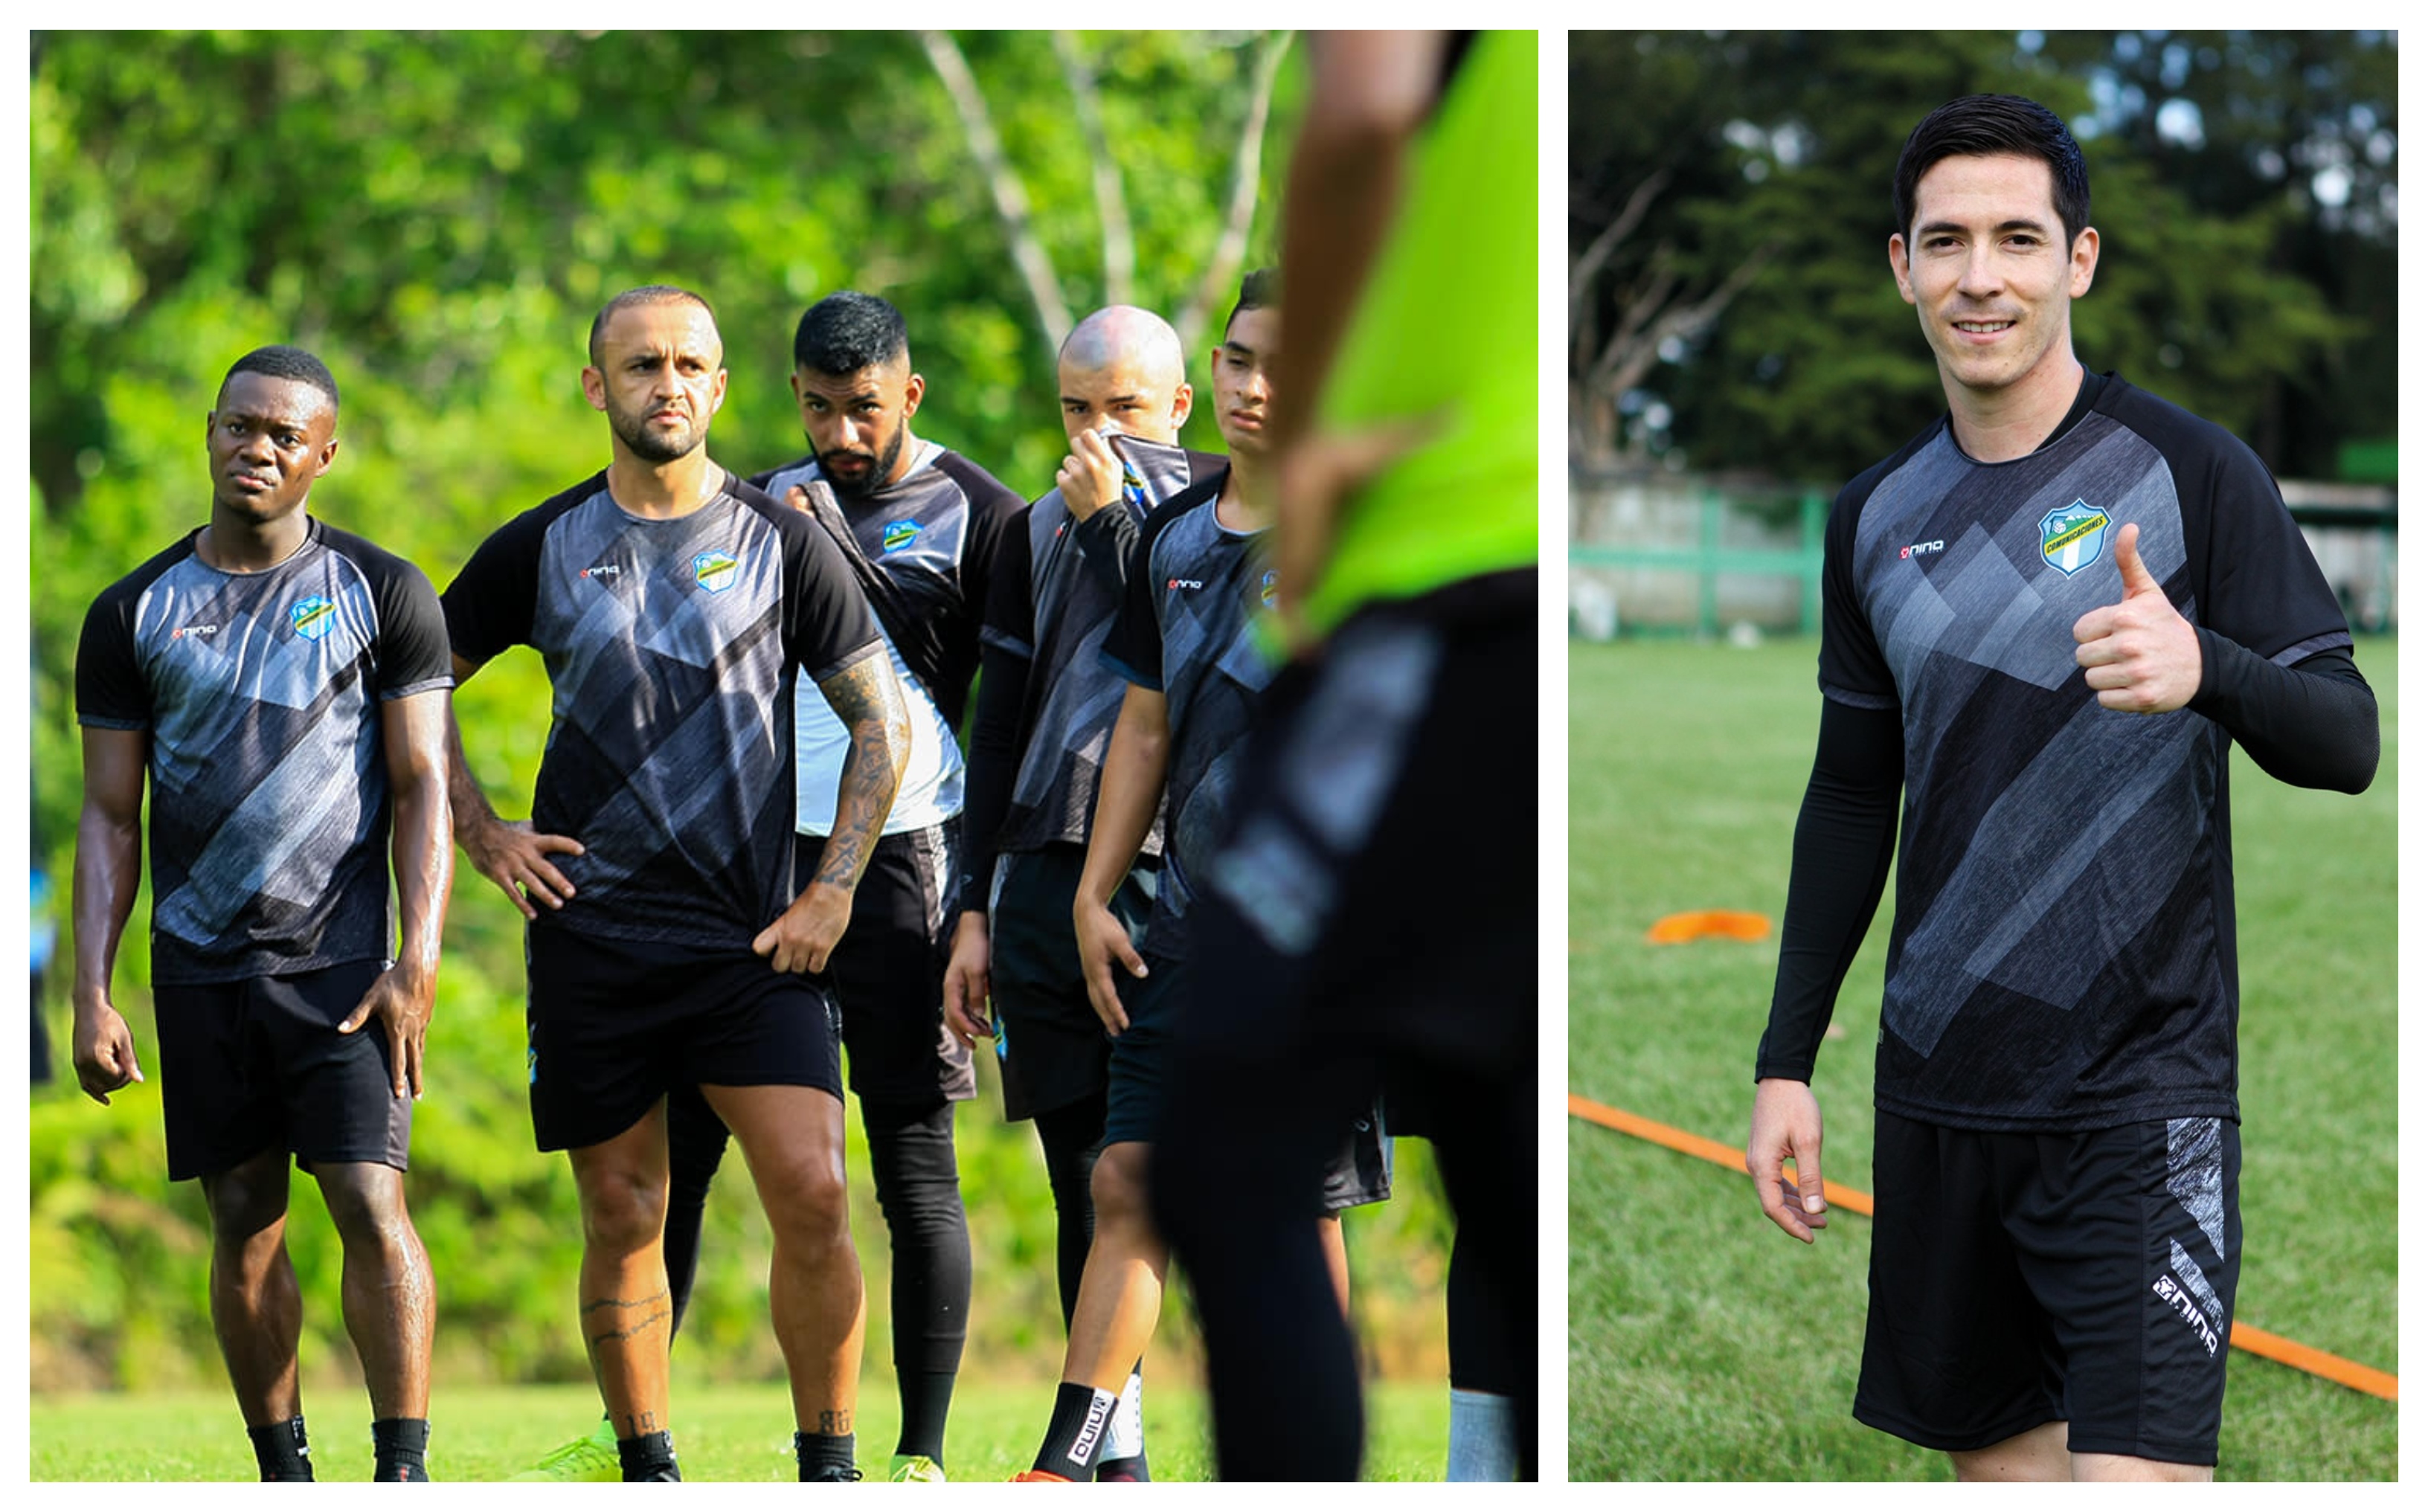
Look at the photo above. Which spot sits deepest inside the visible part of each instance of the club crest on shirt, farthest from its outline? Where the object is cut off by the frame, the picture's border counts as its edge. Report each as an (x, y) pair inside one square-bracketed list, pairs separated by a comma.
[(312, 617), (2070, 537), (1265, 589), (715, 570), (898, 534)]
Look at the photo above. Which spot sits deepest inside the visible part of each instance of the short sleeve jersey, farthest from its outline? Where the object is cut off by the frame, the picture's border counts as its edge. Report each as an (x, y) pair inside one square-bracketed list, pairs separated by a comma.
[(2062, 955), (671, 647), (261, 694), (1184, 631), (1073, 588), (923, 550)]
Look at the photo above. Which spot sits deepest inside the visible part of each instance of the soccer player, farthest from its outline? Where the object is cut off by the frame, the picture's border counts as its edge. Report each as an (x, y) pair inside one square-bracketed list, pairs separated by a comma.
[(285, 685), (668, 944), (2044, 619), (1183, 643), (1046, 706), (921, 527), (1399, 741)]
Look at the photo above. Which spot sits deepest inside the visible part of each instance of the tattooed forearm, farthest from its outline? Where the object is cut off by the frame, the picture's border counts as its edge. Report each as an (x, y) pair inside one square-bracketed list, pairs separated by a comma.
[(868, 700)]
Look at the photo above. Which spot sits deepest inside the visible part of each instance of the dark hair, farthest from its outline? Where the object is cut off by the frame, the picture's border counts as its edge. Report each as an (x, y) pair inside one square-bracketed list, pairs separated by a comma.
[(843, 333), (645, 294), (287, 362), (1990, 126), (1261, 289)]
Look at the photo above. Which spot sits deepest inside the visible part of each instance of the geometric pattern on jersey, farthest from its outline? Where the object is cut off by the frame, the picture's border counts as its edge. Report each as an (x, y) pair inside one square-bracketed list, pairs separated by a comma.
[(1185, 632), (2060, 957), (667, 644), (913, 532), (1075, 598), (270, 793)]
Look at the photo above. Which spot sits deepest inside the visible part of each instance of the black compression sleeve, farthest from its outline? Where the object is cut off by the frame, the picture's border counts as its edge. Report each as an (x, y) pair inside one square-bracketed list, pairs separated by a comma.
[(994, 762), (2312, 725), (1845, 837)]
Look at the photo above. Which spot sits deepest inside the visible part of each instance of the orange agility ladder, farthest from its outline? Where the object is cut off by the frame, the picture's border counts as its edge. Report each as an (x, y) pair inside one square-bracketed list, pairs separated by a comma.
[(2246, 1337)]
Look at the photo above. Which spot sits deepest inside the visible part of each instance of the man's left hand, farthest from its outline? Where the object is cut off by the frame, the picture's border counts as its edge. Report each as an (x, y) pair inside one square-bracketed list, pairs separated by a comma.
[(804, 935), (400, 1000), (2138, 655)]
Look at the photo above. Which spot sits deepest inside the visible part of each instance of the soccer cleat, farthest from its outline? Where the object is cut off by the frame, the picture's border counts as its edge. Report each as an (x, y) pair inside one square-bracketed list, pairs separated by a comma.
[(916, 1468), (590, 1457), (1042, 1475), (838, 1472)]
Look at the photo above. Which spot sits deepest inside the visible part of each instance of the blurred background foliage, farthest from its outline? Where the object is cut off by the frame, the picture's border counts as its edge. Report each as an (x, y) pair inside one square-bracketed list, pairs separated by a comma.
[(438, 217), (1729, 299)]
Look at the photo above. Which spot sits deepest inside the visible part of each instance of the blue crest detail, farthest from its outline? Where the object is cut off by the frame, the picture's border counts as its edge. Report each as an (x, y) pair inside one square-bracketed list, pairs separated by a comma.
[(2070, 537), (312, 617), (899, 534), (715, 570)]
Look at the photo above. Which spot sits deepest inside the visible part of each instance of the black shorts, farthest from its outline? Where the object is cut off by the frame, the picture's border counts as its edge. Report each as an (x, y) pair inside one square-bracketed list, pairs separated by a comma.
[(1144, 1064), (247, 1066), (615, 1025), (2019, 1279), (1334, 909), (889, 970), (1049, 1044)]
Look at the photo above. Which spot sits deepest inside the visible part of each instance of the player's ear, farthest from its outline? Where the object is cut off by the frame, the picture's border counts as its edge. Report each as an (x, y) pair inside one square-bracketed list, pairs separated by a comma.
[(328, 455), (594, 387), (1901, 267), (1180, 401), (2084, 259), (913, 389), (716, 391)]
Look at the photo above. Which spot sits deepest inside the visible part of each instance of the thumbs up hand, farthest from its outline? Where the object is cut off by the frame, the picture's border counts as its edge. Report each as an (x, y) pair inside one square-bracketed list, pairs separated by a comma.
[(2138, 655)]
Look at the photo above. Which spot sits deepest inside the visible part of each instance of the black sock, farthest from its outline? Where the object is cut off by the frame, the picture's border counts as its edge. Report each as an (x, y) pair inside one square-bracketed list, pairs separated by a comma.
[(279, 1448), (1076, 1433), (397, 1444), (826, 1456), (649, 1457), (927, 1396)]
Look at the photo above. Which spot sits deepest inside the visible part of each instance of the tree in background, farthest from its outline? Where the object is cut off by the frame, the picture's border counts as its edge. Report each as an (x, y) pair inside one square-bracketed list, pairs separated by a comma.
[(1730, 303)]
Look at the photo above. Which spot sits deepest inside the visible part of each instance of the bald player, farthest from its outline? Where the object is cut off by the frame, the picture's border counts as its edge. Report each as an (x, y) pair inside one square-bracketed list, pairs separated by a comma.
[(1046, 706), (670, 942)]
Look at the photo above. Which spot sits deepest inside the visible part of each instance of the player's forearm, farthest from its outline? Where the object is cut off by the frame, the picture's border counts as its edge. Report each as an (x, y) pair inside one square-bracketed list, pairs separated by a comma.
[(467, 807), (424, 860), (2312, 725), (1845, 835), (994, 767), (868, 700), (1126, 795), (108, 867)]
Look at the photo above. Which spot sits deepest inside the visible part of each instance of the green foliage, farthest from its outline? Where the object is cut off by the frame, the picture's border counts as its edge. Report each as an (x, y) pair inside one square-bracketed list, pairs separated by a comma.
[(1705, 1344), (2226, 282)]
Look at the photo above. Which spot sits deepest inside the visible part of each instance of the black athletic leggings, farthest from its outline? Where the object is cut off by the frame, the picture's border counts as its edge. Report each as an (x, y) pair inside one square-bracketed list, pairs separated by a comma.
[(1073, 1136)]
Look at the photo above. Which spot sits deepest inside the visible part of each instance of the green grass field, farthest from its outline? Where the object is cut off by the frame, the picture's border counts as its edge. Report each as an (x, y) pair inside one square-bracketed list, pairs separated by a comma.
[(1705, 1344), (722, 1433)]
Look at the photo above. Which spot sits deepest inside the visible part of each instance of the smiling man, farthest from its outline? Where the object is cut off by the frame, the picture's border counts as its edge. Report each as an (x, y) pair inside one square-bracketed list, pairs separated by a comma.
[(2043, 620), (284, 685), (671, 944)]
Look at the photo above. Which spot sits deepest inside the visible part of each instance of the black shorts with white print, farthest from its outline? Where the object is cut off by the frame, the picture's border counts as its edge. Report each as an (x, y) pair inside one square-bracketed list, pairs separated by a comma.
[(2087, 1278)]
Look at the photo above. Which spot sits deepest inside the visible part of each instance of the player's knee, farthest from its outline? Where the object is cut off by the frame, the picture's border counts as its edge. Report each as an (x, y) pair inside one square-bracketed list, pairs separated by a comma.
[(806, 1200), (246, 1200), (366, 1206), (1119, 1186), (622, 1213)]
